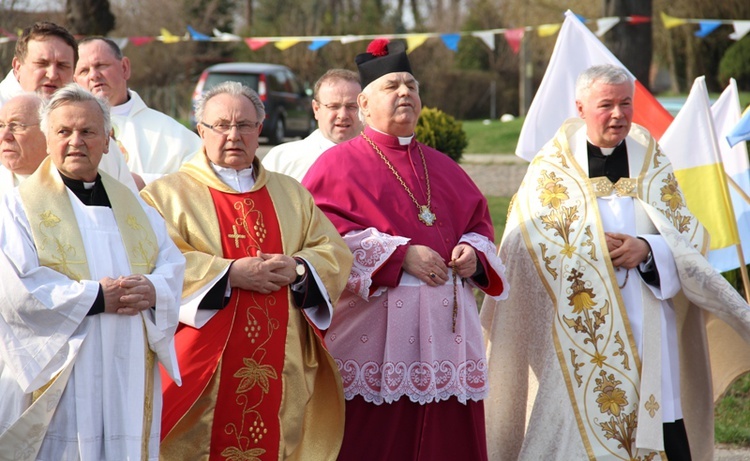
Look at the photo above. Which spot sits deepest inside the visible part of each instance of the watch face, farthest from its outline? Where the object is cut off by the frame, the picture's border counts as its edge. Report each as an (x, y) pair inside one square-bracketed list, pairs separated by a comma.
[(300, 269)]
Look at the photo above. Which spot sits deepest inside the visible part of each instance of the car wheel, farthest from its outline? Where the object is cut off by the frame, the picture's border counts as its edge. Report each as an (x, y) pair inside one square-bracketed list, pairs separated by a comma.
[(278, 133)]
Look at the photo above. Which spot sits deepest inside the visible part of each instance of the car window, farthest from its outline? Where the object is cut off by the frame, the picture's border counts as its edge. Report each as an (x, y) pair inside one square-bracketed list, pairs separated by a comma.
[(294, 85), (279, 81), (216, 78)]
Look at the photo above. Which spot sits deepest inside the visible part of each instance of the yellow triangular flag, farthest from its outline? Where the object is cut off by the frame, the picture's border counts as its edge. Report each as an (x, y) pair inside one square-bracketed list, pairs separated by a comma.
[(670, 22), (546, 30), (286, 43), (415, 41), (168, 37)]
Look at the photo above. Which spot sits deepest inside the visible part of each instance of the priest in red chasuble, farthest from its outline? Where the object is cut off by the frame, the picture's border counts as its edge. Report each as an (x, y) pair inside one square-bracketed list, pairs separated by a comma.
[(406, 335), (264, 268)]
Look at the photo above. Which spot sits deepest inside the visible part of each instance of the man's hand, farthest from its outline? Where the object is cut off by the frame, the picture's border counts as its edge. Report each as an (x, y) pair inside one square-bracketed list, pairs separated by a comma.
[(263, 273), (426, 264), (625, 250), (463, 260), (128, 295)]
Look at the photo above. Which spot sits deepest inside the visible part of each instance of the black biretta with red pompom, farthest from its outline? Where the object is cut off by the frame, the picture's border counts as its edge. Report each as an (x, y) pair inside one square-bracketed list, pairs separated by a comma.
[(382, 57)]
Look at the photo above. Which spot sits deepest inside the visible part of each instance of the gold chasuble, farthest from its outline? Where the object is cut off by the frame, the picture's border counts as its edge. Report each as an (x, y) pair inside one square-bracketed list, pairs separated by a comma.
[(59, 244), (257, 380), (564, 333)]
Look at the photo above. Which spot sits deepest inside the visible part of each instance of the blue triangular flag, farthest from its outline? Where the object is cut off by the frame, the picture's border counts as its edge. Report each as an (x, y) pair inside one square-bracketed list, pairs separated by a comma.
[(451, 41), (706, 27), (197, 36)]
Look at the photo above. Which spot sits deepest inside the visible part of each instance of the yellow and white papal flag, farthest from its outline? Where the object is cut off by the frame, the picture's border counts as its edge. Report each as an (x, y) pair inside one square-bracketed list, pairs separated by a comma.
[(726, 113), (690, 143)]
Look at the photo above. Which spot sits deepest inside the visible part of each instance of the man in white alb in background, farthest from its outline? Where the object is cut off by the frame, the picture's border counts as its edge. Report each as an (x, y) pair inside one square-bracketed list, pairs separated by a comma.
[(153, 143), (22, 143), (43, 62), (335, 108)]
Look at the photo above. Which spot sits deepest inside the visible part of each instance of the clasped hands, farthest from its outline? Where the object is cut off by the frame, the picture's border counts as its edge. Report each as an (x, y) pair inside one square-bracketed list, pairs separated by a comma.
[(625, 250), (128, 295), (264, 273), (427, 265)]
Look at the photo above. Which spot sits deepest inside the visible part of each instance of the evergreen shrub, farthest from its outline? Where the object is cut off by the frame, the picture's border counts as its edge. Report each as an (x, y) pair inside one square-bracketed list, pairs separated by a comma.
[(736, 63), (442, 132)]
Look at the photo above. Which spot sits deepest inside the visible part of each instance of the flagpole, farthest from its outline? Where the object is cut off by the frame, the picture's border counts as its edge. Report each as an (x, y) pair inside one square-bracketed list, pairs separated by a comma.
[(737, 188), (743, 271)]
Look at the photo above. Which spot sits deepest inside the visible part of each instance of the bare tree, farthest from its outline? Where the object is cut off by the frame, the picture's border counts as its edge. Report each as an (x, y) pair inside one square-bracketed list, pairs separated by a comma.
[(89, 17), (631, 43)]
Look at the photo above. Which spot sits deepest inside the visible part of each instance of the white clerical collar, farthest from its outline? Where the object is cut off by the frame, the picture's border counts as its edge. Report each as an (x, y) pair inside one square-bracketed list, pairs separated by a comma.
[(402, 140), (240, 181), (88, 185), (124, 108), (606, 151), (18, 178)]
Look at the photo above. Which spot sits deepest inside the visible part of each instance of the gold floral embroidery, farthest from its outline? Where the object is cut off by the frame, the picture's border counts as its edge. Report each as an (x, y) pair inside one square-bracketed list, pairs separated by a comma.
[(560, 218), (133, 223), (672, 198), (548, 261), (552, 193), (49, 219), (235, 454), (589, 242), (253, 374), (246, 208), (64, 253), (621, 351), (259, 327), (582, 298), (144, 253), (576, 366), (582, 301), (612, 401)]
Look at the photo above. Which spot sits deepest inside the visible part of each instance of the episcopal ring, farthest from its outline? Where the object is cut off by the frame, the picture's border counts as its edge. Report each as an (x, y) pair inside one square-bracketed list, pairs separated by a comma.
[(432, 275)]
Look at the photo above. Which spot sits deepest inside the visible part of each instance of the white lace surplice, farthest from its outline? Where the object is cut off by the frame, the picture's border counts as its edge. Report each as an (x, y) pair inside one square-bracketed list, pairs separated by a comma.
[(398, 341)]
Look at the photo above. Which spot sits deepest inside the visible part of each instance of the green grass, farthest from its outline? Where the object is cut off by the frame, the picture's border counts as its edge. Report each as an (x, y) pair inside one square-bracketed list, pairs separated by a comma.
[(493, 138), (732, 415), (498, 210)]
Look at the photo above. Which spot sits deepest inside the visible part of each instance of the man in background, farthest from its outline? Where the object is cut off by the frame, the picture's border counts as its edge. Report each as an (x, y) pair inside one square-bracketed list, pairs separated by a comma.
[(335, 107), (22, 143), (153, 143), (44, 60)]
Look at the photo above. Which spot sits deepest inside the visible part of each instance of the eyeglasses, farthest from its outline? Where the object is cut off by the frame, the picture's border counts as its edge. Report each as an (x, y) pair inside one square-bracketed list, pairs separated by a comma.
[(225, 128), (15, 127), (337, 107)]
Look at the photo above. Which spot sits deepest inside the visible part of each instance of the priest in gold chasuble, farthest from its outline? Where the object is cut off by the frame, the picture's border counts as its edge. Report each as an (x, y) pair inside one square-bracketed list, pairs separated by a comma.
[(601, 350), (264, 266)]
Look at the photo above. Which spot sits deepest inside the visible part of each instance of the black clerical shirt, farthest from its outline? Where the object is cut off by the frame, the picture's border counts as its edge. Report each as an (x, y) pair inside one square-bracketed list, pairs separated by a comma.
[(613, 166)]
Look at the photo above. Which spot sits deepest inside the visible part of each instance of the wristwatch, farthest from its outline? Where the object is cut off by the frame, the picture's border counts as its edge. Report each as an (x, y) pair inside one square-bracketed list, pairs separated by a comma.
[(301, 271)]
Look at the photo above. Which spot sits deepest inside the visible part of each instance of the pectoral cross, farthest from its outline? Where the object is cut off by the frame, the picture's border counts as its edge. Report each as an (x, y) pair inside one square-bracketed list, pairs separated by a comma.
[(236, 236)]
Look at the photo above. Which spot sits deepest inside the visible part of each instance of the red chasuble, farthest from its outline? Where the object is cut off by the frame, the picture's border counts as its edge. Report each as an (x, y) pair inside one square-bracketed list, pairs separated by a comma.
[(244, 342)]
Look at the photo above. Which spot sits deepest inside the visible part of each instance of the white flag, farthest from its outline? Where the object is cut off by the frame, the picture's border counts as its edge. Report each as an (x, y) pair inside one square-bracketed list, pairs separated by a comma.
[(577, 49)]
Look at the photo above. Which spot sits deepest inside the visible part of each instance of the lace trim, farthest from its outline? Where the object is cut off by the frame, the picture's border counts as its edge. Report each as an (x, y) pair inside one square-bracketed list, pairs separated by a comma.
[(422, 382), (371, 249)]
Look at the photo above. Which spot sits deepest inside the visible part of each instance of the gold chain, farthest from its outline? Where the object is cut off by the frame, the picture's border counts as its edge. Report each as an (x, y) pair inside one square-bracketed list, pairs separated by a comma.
[(420, 208)]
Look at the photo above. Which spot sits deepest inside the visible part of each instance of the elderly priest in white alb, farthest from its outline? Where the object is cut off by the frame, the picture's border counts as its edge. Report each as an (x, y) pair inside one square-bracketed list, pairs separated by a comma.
[(89, 301)]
